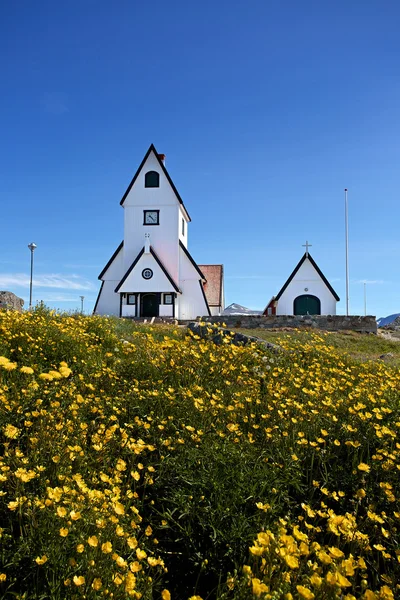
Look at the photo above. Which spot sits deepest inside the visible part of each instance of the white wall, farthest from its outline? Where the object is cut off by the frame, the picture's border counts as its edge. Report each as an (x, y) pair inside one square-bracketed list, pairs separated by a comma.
[(163, 237), (136, 283), (306, 277), (191, 303), (128, 310), (165, 310), (108, 303)]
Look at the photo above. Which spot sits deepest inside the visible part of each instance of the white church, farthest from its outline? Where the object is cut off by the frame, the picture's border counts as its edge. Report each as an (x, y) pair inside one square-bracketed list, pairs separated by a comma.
[(152, 273), (306, 292)]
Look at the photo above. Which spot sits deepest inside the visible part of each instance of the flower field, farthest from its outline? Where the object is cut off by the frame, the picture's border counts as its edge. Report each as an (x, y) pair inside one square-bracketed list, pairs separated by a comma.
[(145, 463)]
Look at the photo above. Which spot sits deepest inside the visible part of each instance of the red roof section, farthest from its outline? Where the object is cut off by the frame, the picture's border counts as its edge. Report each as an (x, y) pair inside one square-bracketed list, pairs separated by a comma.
[(213, 286)]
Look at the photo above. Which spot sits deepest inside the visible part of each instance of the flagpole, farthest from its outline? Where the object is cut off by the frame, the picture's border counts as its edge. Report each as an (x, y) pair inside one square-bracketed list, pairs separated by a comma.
[(346, 211)]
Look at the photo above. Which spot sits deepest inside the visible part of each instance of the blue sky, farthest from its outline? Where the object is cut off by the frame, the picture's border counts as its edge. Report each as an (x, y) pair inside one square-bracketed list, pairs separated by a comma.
[(266, 111)]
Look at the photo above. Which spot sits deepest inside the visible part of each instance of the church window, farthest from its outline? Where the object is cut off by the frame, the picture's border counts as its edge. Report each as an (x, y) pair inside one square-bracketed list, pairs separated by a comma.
[(167, 298), (131, 299), (147, 273), (152, 179), (183, 226)]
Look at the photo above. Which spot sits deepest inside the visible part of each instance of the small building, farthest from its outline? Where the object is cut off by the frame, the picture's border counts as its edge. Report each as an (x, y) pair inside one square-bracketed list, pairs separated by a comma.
[(306, 292), (152, 273)]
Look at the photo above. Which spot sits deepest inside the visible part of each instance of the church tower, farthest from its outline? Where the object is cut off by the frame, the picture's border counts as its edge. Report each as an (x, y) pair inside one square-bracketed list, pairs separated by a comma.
[(152, 273)]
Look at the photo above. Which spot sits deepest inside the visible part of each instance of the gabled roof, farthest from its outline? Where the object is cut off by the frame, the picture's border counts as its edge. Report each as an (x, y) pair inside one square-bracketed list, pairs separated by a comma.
[(164, 170), (316, 267), (205, 297), (160, 264), (104, 271), (273, 299), (213, 286), (196, 266)]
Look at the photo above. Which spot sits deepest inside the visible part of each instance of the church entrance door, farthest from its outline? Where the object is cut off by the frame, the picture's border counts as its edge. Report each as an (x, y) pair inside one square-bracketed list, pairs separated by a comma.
[(307, 305), (149, 305)]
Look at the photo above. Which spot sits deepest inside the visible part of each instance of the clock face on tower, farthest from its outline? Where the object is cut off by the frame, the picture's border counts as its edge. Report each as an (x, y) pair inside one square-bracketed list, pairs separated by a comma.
[(151, 217)]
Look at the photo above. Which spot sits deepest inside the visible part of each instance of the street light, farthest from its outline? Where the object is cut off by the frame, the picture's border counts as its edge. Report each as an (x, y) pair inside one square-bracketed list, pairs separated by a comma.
[(82, 299), (31, 247)]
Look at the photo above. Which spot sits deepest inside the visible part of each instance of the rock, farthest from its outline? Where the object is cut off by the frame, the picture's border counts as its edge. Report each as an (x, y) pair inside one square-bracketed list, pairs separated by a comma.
[(8, 301), (386, 356)]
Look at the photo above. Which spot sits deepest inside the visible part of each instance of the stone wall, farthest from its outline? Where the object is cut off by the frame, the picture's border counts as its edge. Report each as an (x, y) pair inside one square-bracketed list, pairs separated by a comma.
[(325, 322)]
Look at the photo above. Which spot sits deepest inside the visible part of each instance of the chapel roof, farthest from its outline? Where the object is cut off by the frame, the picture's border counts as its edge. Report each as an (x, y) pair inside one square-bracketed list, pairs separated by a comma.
[(308, 256), (213, 286)]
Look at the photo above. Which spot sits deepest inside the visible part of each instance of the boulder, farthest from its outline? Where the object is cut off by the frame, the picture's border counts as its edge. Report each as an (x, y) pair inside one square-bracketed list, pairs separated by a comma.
[(8, 301)]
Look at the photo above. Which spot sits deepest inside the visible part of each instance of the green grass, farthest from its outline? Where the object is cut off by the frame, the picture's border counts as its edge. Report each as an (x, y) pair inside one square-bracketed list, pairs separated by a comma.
[(359, 346)]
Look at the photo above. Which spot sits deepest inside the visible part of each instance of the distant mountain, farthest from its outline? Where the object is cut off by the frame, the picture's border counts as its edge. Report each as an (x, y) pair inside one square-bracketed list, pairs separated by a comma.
[(387, 320), (238, 309)]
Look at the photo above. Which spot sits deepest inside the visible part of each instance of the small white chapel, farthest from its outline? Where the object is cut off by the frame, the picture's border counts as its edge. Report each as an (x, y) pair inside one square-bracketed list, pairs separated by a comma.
[(152, 273), (306, 292)]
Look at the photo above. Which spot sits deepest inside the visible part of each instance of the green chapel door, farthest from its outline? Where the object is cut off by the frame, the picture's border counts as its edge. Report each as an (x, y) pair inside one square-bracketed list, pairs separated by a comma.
[(307, 305)]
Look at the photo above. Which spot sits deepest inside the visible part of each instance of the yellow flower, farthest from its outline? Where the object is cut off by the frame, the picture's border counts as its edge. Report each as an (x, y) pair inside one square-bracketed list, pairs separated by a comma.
[(63, 532), (61, 511), (78, 580), (96, 584), (316, 580), (258, 587), (304, 592), (11, 432), (165, 595), (106, 547), (292, 562), (148, 531), (119, 509), (132, 542), (75, 515), (27, 370), (364, 467), (140, 554), (93, 541), (41, 560), (130, 582), (80, 548), (335, 552)]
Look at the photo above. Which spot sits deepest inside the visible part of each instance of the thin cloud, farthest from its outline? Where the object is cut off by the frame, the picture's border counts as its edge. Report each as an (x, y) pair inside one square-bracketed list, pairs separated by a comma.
[(371, 281), (57, 281)]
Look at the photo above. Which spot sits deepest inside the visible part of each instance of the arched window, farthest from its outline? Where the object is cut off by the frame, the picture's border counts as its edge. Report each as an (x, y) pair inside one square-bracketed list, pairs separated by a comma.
[(152, 179)]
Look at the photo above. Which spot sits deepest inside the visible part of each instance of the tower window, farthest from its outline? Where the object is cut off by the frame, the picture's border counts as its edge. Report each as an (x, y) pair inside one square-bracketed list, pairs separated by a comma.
[(152, 179), (183, 226)]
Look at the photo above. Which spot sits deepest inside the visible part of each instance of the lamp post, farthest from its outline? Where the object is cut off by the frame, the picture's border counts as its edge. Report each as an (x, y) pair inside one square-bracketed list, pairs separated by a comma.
[(31, 247), (82, 299)]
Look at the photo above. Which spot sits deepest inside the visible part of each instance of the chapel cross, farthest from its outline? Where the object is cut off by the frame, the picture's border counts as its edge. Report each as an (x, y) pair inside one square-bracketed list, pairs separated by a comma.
[(306, 246)]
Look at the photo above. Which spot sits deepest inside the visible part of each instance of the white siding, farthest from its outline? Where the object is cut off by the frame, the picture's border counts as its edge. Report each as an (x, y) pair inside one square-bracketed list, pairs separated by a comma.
[(191, 303), (307, 277), (108, 303), (136, 283)]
